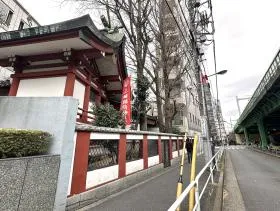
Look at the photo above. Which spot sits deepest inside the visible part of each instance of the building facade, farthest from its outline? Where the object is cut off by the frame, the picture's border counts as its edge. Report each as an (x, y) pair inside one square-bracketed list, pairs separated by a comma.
[(182, 63), (13, 16)]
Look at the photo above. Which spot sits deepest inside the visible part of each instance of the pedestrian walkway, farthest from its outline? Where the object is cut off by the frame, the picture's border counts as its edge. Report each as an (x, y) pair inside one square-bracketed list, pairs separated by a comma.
[(157, 193)]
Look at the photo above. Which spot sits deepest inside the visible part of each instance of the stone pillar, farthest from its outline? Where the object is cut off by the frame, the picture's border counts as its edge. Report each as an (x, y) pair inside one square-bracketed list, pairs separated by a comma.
[(263, 133)]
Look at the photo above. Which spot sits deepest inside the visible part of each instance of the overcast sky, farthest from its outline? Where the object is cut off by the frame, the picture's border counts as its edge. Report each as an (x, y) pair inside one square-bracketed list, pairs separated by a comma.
[(247, 38)]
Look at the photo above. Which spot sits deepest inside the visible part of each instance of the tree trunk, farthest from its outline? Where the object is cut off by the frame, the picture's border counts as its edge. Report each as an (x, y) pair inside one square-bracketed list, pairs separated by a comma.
[(159, 104)]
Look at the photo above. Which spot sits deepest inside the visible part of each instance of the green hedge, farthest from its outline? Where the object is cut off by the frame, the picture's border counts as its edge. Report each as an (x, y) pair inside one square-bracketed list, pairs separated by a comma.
[(21, 143)]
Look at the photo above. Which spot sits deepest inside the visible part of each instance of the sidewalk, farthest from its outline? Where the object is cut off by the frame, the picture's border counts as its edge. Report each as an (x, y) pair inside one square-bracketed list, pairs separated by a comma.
[(232, 197), (157, 194)]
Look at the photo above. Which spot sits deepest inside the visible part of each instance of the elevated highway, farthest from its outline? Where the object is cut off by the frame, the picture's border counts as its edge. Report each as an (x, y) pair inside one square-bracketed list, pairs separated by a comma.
[(259, 122)]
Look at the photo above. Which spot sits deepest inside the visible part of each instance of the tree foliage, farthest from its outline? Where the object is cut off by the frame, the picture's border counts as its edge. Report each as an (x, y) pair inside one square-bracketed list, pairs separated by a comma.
[(107, 116)]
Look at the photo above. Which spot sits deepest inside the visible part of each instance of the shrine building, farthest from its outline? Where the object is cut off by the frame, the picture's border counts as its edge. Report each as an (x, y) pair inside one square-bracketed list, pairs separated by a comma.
[(71, 58)]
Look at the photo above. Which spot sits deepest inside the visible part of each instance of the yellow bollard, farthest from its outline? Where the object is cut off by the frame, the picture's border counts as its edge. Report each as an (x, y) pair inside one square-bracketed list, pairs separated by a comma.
[(180, 180), (191, 195)]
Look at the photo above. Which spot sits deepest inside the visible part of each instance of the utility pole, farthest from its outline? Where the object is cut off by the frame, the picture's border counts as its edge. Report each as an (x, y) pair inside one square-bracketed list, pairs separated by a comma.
[(237, 101)]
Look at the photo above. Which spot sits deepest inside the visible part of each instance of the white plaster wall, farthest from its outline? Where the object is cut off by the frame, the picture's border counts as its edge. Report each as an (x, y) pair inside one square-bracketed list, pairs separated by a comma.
[(99, 176), (134, 166), (153, 160), (42, 87), (175, 154), (79, 93), (102, 136), (134, 137)]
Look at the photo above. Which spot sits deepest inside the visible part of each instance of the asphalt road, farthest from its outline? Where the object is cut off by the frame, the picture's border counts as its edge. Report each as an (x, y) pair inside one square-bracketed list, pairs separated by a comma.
[(155, 195), (258, 176)]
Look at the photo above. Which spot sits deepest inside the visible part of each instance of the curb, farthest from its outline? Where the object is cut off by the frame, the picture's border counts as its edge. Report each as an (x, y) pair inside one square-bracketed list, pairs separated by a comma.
[(264, 152), (232, 197), (218, 203)]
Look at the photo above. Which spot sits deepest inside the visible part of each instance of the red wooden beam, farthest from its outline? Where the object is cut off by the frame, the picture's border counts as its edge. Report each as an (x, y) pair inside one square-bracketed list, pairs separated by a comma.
[(43, 57), (53, 65), (43, 74)]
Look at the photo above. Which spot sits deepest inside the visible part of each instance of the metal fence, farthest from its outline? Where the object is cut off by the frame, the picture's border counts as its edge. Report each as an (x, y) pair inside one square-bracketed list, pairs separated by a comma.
[(102, 153), (196, 185), (133, 150)]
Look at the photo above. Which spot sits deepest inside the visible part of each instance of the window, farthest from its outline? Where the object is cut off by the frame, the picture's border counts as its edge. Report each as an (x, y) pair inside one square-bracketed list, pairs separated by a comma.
[(9, 18), (21, 24), (178, 118)]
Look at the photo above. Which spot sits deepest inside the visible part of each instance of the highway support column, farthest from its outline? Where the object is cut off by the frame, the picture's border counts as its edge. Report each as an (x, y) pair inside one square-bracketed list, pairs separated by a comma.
[(246, 136), (263, 133)]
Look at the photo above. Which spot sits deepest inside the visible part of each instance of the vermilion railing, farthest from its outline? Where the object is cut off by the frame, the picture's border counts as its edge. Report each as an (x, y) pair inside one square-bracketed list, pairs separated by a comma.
[(105, 154)]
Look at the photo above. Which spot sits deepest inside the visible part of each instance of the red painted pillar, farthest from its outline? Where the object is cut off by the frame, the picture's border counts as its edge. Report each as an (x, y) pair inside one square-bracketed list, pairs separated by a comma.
[(170, 148), (159, 149), (122, 155), (14, 87), (70, 84), (145, 151), (80, 165), (86, 103), (178, 146)]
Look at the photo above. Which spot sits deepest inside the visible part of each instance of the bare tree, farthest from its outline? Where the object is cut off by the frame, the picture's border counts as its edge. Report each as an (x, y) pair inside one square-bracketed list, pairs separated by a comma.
[(133, 17), (171, 58)]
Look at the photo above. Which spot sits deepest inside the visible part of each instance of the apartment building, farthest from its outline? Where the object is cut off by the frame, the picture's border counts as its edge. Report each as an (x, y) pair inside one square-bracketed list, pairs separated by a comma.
[(183, 62), (13, 16)]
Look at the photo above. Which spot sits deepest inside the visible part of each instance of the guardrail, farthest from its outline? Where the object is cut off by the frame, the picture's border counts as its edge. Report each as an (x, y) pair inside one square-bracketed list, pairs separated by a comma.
[(195, 183), (267, 80)]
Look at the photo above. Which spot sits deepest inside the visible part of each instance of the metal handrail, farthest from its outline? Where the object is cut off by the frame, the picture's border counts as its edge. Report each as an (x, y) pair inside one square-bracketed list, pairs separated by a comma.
[(267, 78), (194, 184)]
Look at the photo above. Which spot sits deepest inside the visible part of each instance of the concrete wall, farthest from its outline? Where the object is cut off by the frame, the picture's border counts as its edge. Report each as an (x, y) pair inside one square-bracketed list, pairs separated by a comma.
[(28, 183), (57, 115)]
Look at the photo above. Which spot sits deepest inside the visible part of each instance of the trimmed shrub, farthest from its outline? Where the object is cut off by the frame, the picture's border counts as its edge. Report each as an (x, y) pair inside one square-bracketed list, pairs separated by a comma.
[(21, 143), (107, 116)]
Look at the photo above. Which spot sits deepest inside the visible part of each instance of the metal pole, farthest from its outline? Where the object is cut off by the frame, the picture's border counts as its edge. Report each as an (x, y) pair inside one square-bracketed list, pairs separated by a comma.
[(205, 114), (192, 192), (180, 180), (237, 101)]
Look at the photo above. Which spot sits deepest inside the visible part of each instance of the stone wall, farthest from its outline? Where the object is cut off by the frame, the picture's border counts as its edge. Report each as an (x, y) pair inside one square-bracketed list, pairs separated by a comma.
[(56, 115), (29, 183)]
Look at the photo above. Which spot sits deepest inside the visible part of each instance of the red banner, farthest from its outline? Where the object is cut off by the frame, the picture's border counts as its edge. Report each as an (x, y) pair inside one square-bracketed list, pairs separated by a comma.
[(126, 101)]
